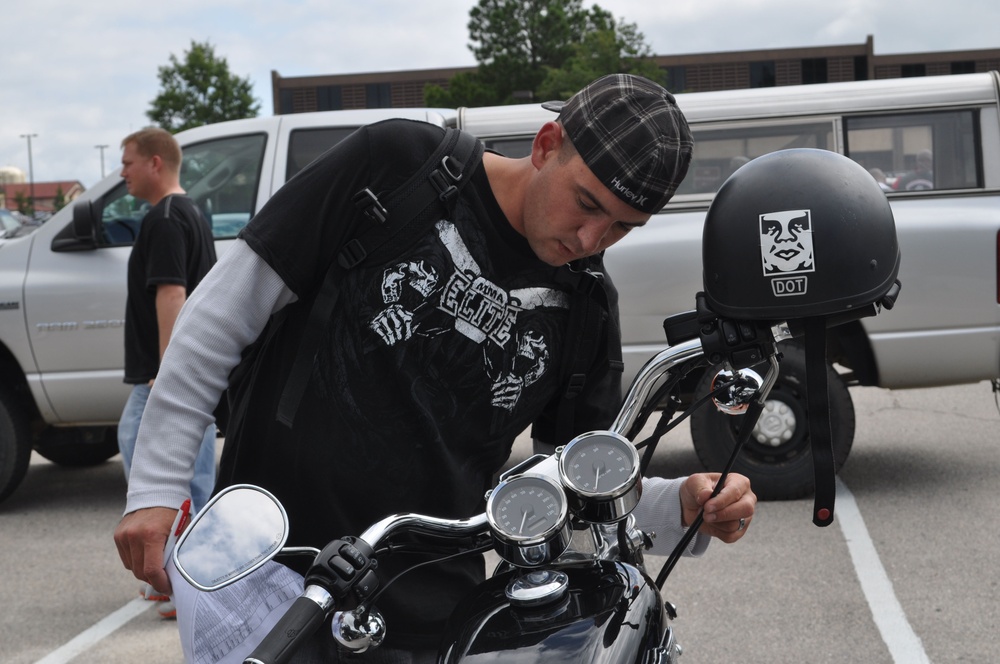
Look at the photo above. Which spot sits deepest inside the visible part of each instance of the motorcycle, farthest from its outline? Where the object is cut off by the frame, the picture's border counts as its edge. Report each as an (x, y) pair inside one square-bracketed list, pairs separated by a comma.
[(571, 586)]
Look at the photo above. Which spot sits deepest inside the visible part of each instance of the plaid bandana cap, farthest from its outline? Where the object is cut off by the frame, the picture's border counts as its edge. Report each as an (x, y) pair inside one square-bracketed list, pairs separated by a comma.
[(631, 135)]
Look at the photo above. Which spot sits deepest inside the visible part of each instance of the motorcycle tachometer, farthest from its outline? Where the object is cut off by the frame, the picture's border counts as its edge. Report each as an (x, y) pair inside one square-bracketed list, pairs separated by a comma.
[(530, 520), (600, 471)]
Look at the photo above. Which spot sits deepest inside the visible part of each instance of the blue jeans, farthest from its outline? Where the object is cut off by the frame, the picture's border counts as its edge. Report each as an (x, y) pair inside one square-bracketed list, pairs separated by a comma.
[(203, 482)]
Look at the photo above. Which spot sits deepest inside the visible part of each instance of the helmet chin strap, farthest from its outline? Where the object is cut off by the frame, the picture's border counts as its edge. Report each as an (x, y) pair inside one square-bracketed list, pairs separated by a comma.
[(820, 433)]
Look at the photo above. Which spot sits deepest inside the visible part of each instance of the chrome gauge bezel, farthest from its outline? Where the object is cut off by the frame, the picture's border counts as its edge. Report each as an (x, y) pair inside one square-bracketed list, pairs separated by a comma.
[(610, 503), (538, 548)]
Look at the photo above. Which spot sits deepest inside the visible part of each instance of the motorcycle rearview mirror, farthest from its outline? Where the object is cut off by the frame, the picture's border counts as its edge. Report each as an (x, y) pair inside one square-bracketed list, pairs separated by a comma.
[(239, 530), (746, 384)]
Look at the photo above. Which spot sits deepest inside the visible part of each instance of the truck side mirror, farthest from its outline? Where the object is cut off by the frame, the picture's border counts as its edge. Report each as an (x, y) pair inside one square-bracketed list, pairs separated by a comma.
[(85, 223)]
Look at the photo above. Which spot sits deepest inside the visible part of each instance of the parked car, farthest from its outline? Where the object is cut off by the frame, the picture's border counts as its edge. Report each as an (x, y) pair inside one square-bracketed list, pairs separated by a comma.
[(62, 290), (15, 224), (8, 223)]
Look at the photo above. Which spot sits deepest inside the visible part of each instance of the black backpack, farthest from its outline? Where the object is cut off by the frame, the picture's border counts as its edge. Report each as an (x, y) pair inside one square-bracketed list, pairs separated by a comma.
[(388, 231)]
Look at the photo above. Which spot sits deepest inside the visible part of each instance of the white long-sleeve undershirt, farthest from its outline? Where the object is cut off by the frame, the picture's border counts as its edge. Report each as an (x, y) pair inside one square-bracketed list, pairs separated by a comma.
[(226, 313)]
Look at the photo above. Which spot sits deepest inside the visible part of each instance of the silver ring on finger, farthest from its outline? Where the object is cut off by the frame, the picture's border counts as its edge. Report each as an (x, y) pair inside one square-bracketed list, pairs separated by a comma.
[(743, 524)]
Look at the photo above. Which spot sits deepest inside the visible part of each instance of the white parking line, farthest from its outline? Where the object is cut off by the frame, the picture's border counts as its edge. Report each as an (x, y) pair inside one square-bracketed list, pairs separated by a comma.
[(88, 638), (904, 645)]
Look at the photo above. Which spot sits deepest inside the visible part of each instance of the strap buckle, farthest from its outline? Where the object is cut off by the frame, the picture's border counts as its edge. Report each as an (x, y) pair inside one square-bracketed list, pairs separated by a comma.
[(446, 177), (351, 254), (369, 204)]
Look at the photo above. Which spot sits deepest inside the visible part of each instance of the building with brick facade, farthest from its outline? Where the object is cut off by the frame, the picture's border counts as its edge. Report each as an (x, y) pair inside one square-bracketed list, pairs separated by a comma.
[(699, 72)]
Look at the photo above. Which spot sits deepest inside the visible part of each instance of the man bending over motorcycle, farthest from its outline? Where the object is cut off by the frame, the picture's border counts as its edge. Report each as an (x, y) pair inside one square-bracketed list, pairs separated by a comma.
[(432, 361)]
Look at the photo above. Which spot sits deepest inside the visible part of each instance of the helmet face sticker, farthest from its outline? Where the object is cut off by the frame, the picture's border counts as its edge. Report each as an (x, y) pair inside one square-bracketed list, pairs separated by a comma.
[(786, 249)]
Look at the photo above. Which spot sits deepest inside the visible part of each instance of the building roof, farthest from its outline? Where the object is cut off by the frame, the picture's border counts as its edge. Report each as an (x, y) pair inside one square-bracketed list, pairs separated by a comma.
[(44, 193)]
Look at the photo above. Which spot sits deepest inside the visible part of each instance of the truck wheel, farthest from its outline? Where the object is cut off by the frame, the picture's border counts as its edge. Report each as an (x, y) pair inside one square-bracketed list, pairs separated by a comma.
[(15, 445), (777, 458), (78, 447)]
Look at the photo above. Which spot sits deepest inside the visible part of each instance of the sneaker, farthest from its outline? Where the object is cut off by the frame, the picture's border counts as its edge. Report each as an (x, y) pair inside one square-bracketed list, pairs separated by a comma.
[(152, 594), (167, 610)]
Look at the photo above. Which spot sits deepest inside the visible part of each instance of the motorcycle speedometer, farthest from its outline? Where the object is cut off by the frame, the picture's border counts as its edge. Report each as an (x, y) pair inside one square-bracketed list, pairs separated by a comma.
[(600, 471), (530, 520)]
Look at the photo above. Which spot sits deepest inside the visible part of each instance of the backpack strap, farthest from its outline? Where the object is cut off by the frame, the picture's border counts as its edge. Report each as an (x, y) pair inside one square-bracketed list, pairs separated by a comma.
[(589, 323), (438, 181)]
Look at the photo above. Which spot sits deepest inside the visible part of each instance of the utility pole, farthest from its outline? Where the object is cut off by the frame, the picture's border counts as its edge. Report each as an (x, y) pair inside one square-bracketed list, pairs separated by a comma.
[(31, 173), (101, 148)]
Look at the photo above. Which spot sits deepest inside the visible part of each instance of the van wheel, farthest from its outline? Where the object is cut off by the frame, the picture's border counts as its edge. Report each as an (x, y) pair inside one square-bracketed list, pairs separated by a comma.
[(15, 445), (777, 458), (78, 447)]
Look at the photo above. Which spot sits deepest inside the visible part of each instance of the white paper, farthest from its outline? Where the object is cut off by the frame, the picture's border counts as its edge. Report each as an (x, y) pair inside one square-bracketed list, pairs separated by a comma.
[(224, 626)]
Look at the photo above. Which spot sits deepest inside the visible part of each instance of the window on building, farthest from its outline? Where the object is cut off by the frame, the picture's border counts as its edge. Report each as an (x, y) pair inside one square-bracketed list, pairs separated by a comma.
[(860, 68), (329, 98), (676, 79), (909, 71), (762, 74), (963, 67), (918, 151), (814, 70), (286, 101), (378, 95)]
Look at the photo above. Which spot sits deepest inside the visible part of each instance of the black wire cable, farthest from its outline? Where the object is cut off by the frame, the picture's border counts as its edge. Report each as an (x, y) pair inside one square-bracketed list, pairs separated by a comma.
[(370, 600), (661, 429), (665, 425), (754, 410)]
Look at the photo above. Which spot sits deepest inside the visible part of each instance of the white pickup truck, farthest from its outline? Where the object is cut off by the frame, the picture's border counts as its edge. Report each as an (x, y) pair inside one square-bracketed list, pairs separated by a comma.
[(62, 288)]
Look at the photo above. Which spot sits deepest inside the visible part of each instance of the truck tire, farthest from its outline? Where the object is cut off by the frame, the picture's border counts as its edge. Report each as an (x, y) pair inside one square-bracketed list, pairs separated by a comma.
[(15, 445), (78, 447), (777, 458)]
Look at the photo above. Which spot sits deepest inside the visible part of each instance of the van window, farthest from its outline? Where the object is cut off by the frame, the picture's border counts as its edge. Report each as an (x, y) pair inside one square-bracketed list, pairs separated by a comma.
[(222, 177), (515, 148), (719, 151), (304, 145), (917, 151)]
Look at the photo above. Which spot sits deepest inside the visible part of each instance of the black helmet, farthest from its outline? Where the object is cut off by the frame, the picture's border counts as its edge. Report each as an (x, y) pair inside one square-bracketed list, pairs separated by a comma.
[(797, 234)]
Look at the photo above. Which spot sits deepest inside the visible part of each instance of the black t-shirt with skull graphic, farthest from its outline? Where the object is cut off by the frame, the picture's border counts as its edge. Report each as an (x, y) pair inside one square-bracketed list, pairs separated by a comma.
[(433, 362)]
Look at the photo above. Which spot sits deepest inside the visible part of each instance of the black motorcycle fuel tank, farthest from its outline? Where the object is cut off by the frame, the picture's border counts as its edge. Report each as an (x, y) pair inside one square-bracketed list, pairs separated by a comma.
[(610, 612)]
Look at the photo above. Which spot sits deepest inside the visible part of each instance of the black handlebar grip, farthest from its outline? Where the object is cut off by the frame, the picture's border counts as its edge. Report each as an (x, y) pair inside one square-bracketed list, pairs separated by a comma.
[(301, 621)]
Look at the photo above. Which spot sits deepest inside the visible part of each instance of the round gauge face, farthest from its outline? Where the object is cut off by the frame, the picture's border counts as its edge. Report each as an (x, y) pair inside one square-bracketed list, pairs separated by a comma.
[(599, 463), (527, 507)]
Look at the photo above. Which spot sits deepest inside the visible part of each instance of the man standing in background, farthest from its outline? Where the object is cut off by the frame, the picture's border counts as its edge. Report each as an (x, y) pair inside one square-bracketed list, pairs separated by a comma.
[(172, 253)]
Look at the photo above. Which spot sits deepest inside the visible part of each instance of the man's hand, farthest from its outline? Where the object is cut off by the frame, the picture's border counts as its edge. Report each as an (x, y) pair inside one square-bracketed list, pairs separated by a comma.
[(728, 514), (140, 538)]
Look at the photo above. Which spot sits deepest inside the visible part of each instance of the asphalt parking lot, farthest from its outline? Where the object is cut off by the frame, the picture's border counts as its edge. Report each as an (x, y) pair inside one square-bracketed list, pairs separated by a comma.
[(906, 574)]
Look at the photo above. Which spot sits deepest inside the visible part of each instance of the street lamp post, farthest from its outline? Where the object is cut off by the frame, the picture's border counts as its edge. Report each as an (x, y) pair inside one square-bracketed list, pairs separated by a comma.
[(31, 173), (101, 148)]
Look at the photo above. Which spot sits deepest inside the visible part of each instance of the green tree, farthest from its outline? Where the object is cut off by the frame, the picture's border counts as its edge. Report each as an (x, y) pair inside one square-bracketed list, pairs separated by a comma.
[(519, 44), (465, 89), (200, 90), (606, 47), (59, 201), (25, 204)]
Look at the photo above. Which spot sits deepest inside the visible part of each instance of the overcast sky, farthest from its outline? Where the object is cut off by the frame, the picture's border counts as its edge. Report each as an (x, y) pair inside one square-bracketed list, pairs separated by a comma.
[(82, 74)]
